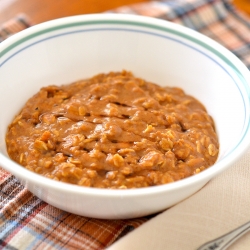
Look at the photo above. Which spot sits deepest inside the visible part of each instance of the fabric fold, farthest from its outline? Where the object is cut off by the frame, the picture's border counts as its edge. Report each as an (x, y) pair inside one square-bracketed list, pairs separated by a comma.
[(195, 14), (219, 207)]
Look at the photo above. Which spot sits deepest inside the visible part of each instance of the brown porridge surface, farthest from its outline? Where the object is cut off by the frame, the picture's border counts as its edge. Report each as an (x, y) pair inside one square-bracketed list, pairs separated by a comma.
[(113, 131)]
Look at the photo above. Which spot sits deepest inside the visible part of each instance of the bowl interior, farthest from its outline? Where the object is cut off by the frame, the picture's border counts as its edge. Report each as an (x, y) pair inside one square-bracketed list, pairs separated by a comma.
[(67, 50)]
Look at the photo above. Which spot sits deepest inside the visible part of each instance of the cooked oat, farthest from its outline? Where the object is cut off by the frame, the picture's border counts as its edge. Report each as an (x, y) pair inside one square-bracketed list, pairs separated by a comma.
[(113, 131)]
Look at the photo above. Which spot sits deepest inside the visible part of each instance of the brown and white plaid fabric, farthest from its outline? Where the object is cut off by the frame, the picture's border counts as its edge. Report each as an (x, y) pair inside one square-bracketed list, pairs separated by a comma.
[(26, 222), (12, 26)]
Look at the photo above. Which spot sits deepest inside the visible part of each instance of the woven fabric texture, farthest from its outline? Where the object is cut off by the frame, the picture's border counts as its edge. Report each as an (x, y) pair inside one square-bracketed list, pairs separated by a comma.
[(26, 222)]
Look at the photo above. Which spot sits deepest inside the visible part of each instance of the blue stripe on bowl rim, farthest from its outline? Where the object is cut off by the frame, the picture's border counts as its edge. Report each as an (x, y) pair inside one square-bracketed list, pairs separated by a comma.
[(140, 24), (121, 22)]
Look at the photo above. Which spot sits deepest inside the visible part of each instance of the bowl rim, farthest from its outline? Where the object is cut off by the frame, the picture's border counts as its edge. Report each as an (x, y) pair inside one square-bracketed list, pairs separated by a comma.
[(239, 68)]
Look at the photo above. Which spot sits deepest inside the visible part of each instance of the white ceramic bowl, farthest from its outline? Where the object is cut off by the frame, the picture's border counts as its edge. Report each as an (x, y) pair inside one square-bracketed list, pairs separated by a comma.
[(69, 49)]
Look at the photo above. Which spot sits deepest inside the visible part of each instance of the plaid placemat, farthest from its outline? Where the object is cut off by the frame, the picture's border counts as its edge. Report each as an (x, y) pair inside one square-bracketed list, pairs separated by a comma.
[(218, 19), (12, 26), (26, 222)]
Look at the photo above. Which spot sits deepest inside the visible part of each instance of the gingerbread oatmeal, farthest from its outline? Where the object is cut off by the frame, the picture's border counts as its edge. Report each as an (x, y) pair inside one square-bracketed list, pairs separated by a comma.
[(113, 131)]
